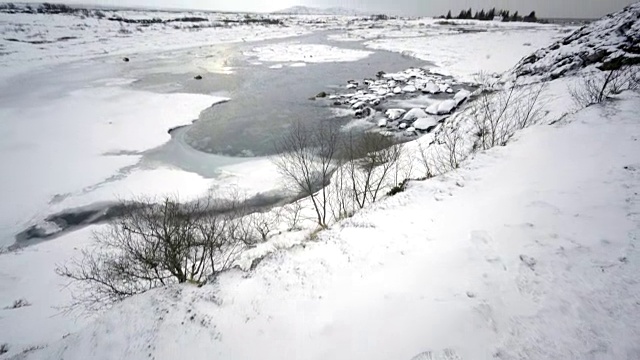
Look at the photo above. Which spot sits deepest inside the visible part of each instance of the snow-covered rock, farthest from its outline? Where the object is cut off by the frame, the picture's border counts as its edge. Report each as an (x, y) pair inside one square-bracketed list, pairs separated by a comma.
[(382, 122), (358, 105), (446, 107), (425, 123), (397, 90), (461, 96), (409, 88), (414, 114), (604, 43), (431, 88), (382, 91), (444, 88), (395, 114), (432, 109), (402, 126)]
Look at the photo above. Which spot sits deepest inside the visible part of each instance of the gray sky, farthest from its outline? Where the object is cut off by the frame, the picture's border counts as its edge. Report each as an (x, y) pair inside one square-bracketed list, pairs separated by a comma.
[(545, 8)]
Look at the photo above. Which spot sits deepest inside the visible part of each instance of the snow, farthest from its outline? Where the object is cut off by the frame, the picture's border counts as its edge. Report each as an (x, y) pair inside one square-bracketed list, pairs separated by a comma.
[(465, 56), (432, 109), (91, 37), (414, 114), (307, 53), (608, 39), (461, 96), (446, 107), (431, 88), (525, 252), (409, 88), (29, 274), (395, 114), (306, 10), (81, 132), (425, 123)]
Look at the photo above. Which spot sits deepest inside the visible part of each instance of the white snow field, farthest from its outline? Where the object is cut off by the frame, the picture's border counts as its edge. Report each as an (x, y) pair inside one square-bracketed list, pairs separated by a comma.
[(306, 53), (527, 251), (78, 139), (465, 56)]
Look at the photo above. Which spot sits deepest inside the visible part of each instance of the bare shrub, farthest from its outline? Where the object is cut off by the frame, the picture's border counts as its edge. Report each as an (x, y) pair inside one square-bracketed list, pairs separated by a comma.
[(372, 160), (153, 245), (18, 304), (341, 200), (528, 107), (499, 113), (452, 153), (307, 158), (598, 87), (426, 161), (4, 348), (292, 215), (263, 224)]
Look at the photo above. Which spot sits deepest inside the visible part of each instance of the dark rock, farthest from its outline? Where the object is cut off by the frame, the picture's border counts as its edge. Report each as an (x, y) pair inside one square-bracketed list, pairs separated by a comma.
[(337, 103), (126, 59), (380, 74), (322, 95), (598, 56), (198, 77)]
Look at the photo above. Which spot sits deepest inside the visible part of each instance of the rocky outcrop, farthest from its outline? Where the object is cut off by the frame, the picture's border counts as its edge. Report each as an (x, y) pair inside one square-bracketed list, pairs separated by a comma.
[(608, 44)]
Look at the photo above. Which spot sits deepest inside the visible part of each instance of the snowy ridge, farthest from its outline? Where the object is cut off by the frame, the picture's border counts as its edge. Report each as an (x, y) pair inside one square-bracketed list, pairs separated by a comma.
[(604, 43), (306, 10)]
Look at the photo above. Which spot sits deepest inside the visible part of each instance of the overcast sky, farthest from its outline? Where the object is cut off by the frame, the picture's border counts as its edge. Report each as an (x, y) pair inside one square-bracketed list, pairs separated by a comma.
[(544, 8)]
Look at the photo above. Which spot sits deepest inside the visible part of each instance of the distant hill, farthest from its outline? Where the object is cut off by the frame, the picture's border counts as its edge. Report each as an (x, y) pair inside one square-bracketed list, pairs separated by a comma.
[(306, 10)]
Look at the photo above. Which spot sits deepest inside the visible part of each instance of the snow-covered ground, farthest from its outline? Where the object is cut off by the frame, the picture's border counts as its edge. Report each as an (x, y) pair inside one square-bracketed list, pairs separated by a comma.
[(465, 56), (74, 142), (62, 38), (526, 252), (308, 53), (461, 48)]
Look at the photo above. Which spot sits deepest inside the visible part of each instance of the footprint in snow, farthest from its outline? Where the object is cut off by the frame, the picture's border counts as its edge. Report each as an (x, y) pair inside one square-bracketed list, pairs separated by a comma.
[(446, 354), (484, 242)]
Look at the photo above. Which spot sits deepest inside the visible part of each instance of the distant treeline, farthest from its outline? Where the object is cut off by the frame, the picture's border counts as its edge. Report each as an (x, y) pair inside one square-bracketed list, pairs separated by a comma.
[(502, 15)]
